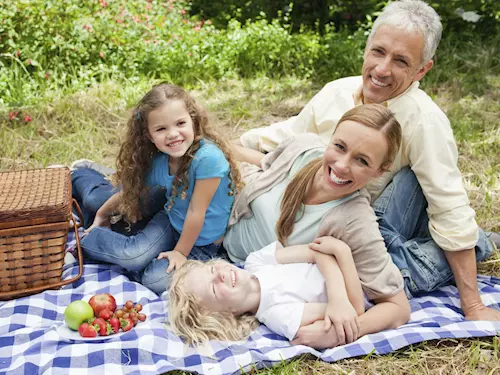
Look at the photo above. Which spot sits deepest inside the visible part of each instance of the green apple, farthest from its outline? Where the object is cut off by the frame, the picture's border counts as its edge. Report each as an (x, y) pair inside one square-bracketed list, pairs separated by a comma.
[(76, 313)]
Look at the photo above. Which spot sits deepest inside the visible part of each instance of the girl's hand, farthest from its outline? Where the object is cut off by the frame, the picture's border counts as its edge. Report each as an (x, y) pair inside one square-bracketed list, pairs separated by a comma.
[(329, 245), (99, 221), (175, 259), (344, 320)]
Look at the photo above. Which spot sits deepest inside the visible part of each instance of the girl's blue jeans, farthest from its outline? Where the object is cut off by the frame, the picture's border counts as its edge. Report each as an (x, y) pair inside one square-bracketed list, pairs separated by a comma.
[(136, 250), (404, 224)]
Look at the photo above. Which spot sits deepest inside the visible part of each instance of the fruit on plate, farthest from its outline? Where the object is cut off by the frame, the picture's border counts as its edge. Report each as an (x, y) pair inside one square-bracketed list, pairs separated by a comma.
[(76, 313), (87, 330), (102, 301), (115, 324), (126, 324), (105, 314)]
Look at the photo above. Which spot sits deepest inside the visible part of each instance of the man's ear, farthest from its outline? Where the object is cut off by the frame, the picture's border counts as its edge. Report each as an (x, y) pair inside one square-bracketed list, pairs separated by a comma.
[(423, 70)]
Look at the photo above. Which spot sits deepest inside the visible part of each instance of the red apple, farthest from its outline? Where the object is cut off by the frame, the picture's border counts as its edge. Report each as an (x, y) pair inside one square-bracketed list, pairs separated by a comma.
[(102, 301)]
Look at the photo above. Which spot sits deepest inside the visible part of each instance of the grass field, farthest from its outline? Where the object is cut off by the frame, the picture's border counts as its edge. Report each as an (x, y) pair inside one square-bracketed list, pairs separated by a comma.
[(88, 124)]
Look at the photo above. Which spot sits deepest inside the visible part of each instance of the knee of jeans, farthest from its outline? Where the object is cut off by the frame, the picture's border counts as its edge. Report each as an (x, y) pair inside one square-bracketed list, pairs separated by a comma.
[(484, 246), (158, 282), (93, 201), (406, 174)]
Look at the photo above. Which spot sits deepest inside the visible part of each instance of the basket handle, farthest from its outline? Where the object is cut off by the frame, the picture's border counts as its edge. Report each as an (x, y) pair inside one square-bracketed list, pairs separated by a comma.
[(78, 249)]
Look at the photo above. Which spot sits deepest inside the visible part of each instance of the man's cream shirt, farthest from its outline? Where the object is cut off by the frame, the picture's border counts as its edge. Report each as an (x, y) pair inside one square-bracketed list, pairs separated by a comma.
[(428, 147)]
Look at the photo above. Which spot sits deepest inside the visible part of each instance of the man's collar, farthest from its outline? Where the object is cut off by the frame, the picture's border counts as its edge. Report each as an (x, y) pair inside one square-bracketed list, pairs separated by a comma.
[(358, 95)]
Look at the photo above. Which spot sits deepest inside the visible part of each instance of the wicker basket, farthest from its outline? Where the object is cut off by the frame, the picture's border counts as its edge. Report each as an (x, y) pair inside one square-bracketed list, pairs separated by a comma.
[(35, 216)]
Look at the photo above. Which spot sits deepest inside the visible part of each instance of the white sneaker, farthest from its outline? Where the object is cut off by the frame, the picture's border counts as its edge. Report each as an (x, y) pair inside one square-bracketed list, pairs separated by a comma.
[(86, 163)]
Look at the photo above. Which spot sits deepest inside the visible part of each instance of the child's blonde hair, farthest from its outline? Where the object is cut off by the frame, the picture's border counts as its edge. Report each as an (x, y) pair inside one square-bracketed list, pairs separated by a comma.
[(196, 324), (137, 151)]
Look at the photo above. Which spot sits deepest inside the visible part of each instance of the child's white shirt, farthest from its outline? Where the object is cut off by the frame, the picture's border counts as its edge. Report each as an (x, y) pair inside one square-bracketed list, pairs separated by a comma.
[(285, 289)]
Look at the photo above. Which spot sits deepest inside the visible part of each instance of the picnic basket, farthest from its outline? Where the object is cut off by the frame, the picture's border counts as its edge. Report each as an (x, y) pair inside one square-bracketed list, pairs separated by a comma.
[(35, 217)]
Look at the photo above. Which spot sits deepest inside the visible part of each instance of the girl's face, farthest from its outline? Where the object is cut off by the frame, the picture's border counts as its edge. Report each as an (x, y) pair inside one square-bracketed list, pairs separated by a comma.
[(220, 286), (171, 129), (354, 156)]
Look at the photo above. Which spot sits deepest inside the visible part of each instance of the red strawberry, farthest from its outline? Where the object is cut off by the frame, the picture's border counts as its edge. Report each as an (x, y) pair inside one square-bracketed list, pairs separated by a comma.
[(100, 325), (105, 314), (115, 324), (109, 329), (87, 330), (126, 324)]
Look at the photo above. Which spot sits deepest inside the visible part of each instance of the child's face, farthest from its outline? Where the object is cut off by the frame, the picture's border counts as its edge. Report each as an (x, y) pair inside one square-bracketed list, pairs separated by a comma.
[(354, 156), (170, 128), (220, 287)]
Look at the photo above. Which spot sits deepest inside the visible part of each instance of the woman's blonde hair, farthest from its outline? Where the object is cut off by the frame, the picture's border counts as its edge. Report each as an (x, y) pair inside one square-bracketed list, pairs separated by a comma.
[(191, 321), (137, 151), (375, 116)]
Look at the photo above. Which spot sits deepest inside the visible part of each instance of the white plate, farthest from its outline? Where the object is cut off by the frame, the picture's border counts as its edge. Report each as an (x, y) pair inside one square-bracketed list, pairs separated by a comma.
[(67, 333)]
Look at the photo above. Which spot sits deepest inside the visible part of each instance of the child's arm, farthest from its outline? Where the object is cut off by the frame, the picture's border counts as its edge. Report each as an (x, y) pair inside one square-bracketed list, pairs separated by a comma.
[(343, 254), (294, 254), (340, 311), (203, 193), (344, 261), (106, 210), (388, 313)]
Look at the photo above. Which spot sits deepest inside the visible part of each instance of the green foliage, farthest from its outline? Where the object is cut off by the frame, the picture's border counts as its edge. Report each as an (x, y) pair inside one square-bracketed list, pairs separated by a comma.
[(349, 14), (47, 46)]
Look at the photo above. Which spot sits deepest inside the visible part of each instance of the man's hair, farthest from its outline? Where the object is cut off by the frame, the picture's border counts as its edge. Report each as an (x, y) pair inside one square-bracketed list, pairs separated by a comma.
[(196, 324), (412, 16)]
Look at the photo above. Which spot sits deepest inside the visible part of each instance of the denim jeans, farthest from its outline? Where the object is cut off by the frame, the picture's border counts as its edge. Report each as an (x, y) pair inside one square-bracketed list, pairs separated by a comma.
[(136, 251), (91, 190), (404, 224)]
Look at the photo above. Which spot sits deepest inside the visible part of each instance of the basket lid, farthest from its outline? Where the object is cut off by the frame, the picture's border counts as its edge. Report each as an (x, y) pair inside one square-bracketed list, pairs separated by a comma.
[(34, 196)]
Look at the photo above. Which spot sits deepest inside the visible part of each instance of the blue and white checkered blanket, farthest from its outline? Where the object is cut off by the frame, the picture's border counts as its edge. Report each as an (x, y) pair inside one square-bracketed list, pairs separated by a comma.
[(30, 342)]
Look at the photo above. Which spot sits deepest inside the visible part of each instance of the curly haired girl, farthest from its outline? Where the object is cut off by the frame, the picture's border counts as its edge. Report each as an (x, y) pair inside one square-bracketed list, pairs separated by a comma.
[(170, 144)]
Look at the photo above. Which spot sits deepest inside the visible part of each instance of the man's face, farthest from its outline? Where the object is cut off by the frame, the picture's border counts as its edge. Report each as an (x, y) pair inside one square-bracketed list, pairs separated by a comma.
[(392, 63)]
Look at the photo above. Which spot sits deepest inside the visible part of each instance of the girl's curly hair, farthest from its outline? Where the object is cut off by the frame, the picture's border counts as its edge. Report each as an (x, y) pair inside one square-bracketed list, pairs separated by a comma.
[(190, 320), (137, 151)]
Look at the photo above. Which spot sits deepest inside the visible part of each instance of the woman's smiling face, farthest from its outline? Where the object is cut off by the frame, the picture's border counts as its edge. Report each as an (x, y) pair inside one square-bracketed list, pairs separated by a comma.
[(355, 155)]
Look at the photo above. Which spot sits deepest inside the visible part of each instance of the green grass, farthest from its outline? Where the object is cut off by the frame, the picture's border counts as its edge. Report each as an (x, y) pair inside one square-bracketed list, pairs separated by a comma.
[(89, 124)]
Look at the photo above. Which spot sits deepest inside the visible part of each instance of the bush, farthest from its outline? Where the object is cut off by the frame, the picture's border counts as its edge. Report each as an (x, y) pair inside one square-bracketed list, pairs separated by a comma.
[(49, 46), (46, 46)]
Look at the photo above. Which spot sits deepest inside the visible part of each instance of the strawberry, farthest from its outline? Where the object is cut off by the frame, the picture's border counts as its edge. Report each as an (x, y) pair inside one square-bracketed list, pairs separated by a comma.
[(115, 324), (100, 325), (105, 314), (87, 330), (109, 329), (126, 324)]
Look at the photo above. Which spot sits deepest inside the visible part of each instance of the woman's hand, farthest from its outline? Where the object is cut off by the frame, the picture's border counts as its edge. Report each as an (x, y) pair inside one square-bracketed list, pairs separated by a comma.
[(329, 245), (175, 259), (343, 318)]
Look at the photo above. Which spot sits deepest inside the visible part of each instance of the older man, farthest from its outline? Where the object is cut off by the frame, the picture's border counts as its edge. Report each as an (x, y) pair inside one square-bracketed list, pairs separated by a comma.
[(423, 210)]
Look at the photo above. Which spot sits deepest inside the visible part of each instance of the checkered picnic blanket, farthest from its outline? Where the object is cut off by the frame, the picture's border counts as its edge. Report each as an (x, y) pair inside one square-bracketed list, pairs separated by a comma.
[(31, 343)]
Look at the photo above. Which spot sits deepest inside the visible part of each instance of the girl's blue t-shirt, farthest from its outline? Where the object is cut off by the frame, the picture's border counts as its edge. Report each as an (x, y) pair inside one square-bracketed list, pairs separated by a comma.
[(208, 162)]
